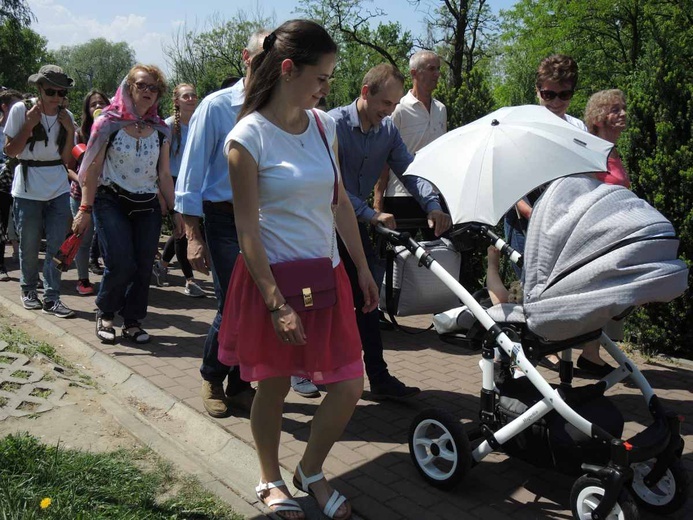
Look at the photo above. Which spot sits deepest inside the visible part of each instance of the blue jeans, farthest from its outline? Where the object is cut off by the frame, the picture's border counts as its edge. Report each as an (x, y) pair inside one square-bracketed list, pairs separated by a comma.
[(223, 247), (516, 238), (31, 218), (129, 244), (368, 323), (82, 257)]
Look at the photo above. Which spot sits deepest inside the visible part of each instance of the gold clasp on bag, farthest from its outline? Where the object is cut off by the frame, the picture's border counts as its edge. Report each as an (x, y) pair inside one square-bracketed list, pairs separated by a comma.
[(307, 297)]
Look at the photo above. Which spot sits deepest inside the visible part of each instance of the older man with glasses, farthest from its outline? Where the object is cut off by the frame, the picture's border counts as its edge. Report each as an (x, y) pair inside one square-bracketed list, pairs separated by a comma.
[(41, 138)]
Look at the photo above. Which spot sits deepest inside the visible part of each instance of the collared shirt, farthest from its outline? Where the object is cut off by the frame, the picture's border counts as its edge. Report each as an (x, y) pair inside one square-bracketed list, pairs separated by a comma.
[(418, 127), (204, 170), (362, 156)]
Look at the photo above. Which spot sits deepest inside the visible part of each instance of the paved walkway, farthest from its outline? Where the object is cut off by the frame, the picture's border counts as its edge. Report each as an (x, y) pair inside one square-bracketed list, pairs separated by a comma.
[(371, 463)]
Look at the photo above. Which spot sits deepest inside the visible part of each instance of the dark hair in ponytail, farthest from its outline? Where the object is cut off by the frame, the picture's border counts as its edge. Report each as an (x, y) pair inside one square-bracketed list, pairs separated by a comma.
[(302, 41)]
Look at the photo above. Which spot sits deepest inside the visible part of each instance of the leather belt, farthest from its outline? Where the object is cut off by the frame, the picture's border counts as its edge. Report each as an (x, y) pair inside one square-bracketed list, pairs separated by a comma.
[(223, 206)]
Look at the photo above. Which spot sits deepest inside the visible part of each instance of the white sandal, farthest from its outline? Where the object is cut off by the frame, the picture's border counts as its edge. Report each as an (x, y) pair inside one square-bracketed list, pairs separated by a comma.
[(278, 505), (335, 501)]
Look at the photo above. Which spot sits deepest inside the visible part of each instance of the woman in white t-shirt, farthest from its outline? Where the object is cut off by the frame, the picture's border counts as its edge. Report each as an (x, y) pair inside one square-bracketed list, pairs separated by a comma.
[(41, 137), (283, 183)]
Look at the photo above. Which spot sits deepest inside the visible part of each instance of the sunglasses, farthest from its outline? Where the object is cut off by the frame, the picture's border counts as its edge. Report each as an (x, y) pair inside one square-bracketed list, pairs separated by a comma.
[(550, 95), (143, 86), (50, 92)]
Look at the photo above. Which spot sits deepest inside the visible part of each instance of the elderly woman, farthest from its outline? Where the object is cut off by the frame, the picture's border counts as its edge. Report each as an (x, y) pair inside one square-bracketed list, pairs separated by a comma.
[(41, 137), (124, 167), (605, 117)]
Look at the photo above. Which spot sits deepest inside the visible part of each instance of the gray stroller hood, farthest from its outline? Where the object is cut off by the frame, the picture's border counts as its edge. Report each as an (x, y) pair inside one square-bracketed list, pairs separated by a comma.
[(593, 250)]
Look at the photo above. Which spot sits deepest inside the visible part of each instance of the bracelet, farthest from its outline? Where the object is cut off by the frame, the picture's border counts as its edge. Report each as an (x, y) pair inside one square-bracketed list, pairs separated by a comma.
[(276, 309), (85, 208)]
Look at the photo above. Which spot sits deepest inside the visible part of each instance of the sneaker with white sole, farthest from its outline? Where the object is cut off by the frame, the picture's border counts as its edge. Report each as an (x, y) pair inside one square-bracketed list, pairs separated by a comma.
[(193, 290), (160, 274), (304, 387), (57, 309), (30, 300)]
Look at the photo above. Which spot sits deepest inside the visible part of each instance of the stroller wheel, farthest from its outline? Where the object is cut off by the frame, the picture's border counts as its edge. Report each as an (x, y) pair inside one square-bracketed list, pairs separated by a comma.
[(439, 448), (667, 495), (588, 491)]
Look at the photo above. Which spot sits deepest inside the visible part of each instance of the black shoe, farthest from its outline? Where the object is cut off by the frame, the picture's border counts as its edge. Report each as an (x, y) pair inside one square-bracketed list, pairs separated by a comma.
[(383, 322), (389, 387), (95, 268), (593, 368)]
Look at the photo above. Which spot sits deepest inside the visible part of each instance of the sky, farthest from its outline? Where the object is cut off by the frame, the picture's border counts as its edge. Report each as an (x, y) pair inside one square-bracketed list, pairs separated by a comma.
[(147, 26)]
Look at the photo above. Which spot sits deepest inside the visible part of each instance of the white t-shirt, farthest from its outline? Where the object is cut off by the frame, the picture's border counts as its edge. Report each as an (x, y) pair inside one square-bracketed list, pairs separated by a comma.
[(576, 122), (45, 182), (295, 186), (131, 168), (418, 127)]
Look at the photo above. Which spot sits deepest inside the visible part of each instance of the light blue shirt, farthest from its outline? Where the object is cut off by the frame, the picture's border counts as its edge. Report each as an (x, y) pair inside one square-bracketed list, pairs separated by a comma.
[(176, 158), (362, 156), (204, 169)]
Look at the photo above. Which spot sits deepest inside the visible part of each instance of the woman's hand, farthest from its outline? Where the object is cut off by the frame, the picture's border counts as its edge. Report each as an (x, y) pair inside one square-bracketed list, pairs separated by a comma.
[(369, 288), (288, 326), (81, 222)]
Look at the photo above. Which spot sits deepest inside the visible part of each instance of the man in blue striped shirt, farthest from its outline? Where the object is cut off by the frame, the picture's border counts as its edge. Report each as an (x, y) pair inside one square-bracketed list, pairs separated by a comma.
[(367, 141)]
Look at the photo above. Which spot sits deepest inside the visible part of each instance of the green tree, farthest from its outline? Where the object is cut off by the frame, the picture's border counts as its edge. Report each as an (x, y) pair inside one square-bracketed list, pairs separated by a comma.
[(98, 64), (16, 11), (206, 58), (644, 48), (23, 52)]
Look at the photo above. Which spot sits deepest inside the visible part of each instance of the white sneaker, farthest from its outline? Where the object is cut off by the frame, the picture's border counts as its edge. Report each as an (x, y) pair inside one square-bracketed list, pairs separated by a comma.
[(194, 291)]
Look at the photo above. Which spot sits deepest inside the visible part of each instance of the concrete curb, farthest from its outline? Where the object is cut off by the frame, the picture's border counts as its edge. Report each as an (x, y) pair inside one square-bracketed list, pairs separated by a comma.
[(224, 464)]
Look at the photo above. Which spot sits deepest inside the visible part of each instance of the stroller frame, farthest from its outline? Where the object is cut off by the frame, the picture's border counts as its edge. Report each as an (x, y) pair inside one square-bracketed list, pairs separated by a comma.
[(603, 489)]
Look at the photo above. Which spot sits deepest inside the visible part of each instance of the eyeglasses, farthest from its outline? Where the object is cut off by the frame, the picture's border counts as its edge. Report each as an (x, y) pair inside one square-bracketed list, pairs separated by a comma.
[(50, 92), (550, 95), (144, 86), (188, 96)]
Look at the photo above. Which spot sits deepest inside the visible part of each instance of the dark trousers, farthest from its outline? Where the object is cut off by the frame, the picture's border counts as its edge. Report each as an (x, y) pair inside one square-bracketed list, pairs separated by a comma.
[(368, 323), (179, 246), (129, 244), (222, 244), (5, 207)]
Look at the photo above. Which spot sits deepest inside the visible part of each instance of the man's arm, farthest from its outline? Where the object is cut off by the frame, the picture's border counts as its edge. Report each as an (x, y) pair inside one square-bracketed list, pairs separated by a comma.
[(380, 189)]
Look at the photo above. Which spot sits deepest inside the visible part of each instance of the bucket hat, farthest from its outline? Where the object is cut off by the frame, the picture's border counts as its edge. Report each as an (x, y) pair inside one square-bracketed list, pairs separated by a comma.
[(52, 75)]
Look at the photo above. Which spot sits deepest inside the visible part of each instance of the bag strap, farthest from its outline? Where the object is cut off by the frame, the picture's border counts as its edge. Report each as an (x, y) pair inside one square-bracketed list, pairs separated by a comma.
[(321, 129)]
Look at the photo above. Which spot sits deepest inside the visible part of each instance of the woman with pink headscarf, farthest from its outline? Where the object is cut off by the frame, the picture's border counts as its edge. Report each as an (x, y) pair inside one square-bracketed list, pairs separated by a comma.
[(125, 166)]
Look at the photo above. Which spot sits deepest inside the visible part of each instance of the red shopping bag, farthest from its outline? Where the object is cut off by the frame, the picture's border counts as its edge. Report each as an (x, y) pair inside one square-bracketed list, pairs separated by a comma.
[(67, 252)]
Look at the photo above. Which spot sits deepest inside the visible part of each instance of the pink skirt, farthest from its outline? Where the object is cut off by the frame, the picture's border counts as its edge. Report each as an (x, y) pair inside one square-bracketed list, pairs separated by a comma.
[(247, 338)]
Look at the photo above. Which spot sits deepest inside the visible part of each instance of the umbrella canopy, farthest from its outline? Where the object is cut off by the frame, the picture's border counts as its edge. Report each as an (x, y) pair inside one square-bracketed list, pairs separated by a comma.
[(485, 167)]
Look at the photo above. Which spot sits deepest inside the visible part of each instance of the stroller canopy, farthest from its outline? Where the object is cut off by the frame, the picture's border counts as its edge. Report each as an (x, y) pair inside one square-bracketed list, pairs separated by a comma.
[(593, 250)]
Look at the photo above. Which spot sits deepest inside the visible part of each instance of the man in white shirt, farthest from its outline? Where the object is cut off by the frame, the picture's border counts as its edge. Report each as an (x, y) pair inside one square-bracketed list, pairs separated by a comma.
[(41, 137), (420, 119)]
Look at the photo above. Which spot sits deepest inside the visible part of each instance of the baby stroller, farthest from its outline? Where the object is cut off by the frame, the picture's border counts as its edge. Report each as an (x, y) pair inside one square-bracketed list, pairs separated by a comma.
[(593, 252)]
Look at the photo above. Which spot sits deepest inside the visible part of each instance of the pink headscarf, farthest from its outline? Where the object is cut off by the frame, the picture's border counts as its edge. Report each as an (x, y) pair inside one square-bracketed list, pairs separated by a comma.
[(120, 113)]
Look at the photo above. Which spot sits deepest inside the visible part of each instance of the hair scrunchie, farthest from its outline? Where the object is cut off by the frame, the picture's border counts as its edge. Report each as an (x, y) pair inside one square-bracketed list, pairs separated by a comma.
[(269, 42)]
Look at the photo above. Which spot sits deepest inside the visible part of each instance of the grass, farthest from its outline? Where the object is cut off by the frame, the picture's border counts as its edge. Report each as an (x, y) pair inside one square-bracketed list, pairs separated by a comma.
[(123, 485), (20, 342)]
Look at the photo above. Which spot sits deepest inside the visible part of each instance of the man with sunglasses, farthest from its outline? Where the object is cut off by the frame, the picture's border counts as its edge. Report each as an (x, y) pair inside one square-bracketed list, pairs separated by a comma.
[(556, 81), (41, 137)]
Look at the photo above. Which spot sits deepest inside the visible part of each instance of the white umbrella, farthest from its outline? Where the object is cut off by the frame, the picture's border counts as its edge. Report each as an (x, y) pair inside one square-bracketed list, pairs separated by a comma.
[(485, 167)]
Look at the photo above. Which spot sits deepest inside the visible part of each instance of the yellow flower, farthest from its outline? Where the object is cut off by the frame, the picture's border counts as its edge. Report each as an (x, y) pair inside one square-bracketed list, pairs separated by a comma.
[(45, 503)]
